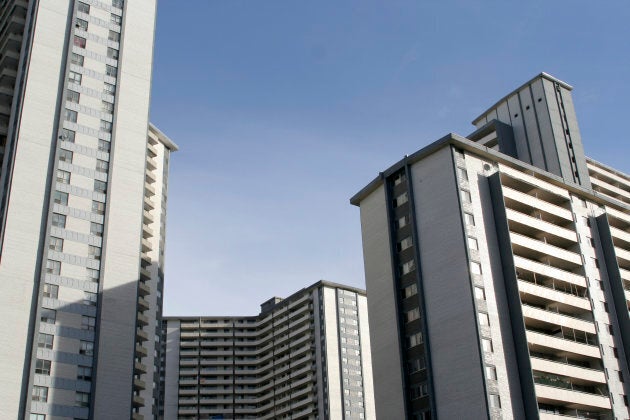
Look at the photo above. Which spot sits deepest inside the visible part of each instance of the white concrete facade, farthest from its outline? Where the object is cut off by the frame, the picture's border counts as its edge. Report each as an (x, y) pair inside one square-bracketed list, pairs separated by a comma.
[(77, 238), (497, 271)]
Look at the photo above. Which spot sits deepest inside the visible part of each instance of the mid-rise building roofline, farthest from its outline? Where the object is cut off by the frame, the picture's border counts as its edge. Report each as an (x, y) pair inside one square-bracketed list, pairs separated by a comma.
[(170, 144), (457, 140)]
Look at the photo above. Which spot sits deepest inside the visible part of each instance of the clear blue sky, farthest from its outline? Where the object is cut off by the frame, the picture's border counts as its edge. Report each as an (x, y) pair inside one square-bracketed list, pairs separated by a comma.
[(284, 109)]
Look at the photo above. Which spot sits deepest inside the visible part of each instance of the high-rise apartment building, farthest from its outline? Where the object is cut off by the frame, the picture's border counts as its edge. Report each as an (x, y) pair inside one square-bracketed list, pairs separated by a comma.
[(82, 210), (303, 357), (498, 271)]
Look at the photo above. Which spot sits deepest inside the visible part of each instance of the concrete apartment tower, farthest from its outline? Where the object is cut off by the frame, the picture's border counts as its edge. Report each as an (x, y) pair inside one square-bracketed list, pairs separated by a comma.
[(82, 209), (303, 357), (498, 271)]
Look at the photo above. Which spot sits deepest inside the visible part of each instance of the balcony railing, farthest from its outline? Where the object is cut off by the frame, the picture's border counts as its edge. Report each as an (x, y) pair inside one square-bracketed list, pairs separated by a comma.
[(566, 383)]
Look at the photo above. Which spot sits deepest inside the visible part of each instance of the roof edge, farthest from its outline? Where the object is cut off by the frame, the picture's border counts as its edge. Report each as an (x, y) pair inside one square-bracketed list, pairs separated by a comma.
[(170, 144)]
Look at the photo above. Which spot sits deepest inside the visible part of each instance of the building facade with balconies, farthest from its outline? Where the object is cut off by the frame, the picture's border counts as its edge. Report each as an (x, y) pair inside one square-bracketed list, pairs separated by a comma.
[(497, 270), (303, 357), (82, 210)]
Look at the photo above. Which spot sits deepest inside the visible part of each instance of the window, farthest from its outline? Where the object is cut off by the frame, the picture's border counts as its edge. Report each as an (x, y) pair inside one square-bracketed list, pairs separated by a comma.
[(106, 126), (77, 59), (484, 320), (117, 3), (410, 290), (63, 177), (72, 96), (416, 365), (486, 344), (94, 252), (491, 372), (401, 199), (37, 417), (611, 331), (65, 155), (48, 316), (112, 53), (495, 401), (402, 222), (114, 36), (399, 178), (473, 243), (103, 146), (59, 220), (412, 314), (40, 393), (67, 135), (81, 24), (45, 341), (620, 376), (86, 348), (404, 244), (615, 352), (79, 41), (414, 339), (101, 166), (89, 298), (107, 106), (71, 115), (408, 267), (100, 186), (83, 8), (115, 19), (469, 219), (55, 244), (462, 173), (418, 391), (98, 208), (88, 323), (60, 198), (475, 267), (51, 291), (42, 367), (110, 71), (82, 399), (466, 197), (109, 88), (53, 267), (480, 293), (91, 274), (74, 77), (84, 373)]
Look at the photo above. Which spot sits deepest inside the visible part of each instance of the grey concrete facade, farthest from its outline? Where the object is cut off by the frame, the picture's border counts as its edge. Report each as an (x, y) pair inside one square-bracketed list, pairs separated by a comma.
[(304, 357), (77, 219), (501, 260)]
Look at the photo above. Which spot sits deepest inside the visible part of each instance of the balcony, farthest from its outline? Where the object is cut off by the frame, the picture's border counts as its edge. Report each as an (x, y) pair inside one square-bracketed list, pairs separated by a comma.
[(139, 384), (577, 373), (139, 367), (143, 304), (143, 289), (549, 271), (620, 237), (533, 227), (623, 258), (141, 350), (526, 203), (138, 401), (544, 342), (148, 217), (142, 319), (542, 318), (141, 335), (537, 294), (548, 394), (527, 247)]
